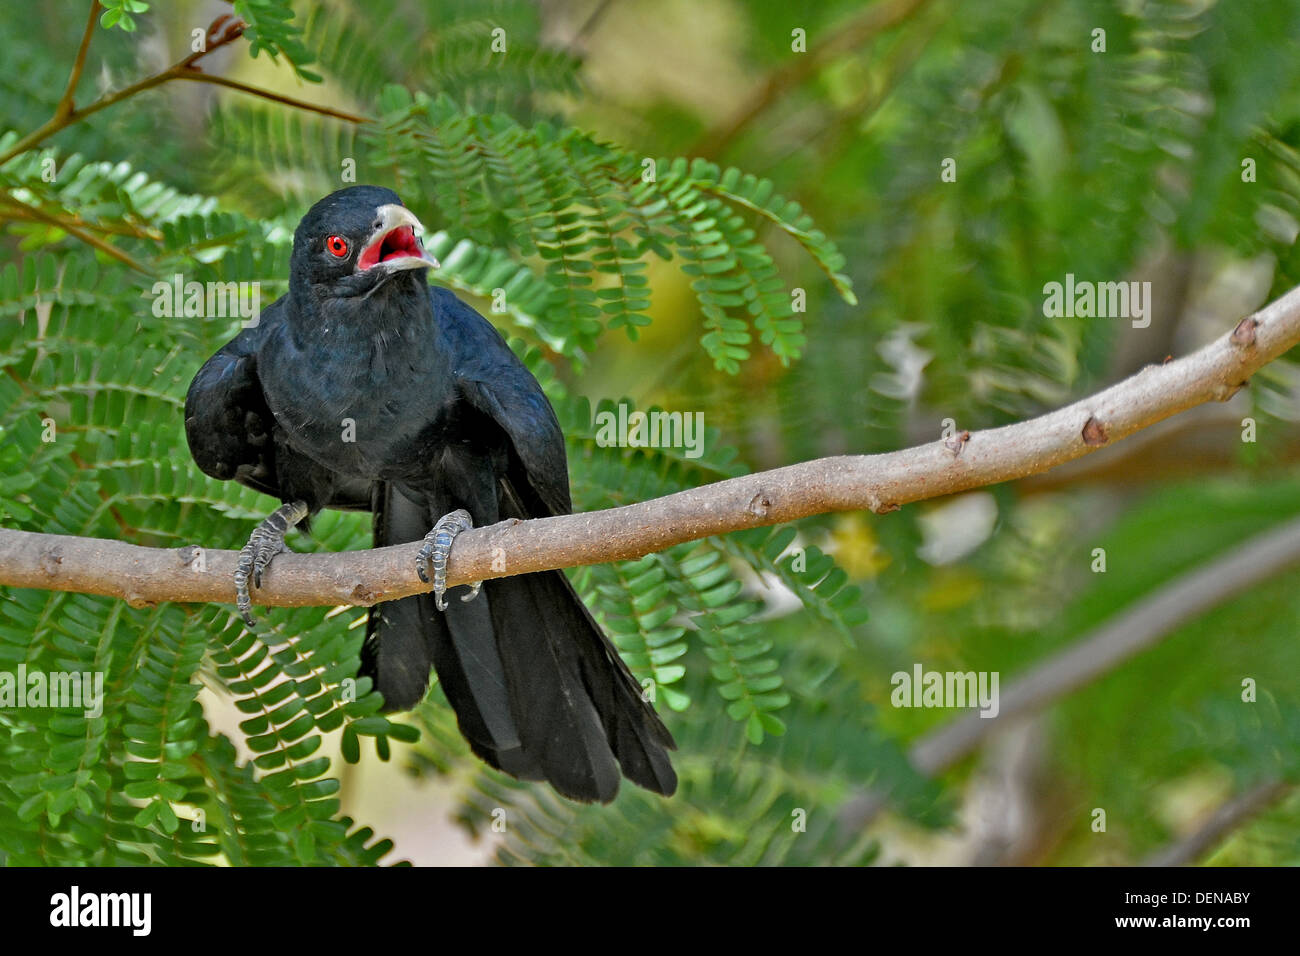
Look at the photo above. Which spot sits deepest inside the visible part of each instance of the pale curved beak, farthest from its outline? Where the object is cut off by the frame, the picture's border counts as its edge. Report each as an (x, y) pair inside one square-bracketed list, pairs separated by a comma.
[(395, 242)]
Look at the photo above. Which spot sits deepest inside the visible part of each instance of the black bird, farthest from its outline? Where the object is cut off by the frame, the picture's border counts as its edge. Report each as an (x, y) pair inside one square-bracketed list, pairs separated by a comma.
[(366, 388)]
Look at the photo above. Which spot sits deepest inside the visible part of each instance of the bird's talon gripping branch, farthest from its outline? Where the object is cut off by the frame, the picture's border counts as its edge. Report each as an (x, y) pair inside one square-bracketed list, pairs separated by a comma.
[(436, 551), (266, 541)]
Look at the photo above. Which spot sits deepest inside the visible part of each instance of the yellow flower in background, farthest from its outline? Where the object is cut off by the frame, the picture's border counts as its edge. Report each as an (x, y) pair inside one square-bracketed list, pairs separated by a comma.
[(856, 548)]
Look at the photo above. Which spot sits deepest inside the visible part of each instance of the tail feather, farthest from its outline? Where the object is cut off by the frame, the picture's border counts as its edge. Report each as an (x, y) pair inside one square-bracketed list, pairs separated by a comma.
[(639, 738), (472, 675), (398, 653), (538, 690), (557, 720), (405, 638)]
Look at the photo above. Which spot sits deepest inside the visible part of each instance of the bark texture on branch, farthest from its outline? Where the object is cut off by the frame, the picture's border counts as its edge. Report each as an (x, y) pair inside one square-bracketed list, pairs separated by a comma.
[(881, 483)]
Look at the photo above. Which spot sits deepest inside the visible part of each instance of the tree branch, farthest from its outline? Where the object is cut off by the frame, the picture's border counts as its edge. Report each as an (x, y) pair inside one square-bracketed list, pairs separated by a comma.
[(197, 77), (1239, 810), (881, 483), (841, 39), (66, 105), (1202, 441), (1131, 631), (27, 211), (223, 30)]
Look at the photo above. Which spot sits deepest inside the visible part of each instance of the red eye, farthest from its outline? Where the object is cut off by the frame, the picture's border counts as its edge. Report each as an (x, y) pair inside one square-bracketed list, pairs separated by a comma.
[(337, 245)]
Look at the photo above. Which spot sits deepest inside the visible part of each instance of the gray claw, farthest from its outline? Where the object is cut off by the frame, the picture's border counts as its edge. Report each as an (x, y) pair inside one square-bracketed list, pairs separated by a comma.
[(266, 541), (437, 549)]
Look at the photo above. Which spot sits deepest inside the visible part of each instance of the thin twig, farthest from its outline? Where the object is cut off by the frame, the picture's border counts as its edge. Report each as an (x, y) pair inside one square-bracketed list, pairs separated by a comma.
[(588, 25), (841, 39), (223, 31), (32, 212), (1239, 810), (107, 228), (66, 105), (268, 95)]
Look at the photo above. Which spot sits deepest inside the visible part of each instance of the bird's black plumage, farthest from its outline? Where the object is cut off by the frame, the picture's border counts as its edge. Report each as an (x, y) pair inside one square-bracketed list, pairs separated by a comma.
[(365, 388)]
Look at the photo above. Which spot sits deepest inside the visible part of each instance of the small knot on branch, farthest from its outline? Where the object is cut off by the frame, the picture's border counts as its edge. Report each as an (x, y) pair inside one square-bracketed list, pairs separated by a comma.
[(223, 30), (759, 504), (878, 506), (1243, 336), (358, 593), (1094, 432), (51, 558), (1223, 392), (957, 442)]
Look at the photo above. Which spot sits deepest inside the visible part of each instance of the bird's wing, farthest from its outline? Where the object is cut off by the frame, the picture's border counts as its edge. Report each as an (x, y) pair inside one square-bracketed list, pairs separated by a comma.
[(493, 380), (232, 432), (578, 709), (227, 421)]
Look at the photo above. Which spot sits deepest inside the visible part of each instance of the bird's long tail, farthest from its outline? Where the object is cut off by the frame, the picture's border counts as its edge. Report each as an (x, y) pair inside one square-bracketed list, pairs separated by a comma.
[(538, 689)]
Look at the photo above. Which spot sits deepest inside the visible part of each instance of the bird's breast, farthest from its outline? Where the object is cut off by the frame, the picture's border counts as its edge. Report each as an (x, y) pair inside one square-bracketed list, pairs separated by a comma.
[(372, 413)]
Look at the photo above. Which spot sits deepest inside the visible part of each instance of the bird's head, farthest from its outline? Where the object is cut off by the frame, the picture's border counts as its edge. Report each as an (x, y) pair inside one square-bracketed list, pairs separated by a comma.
[(356, 240)]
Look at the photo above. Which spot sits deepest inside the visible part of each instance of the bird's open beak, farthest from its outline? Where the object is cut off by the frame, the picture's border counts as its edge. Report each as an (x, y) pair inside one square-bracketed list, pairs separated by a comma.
[(395, 243)]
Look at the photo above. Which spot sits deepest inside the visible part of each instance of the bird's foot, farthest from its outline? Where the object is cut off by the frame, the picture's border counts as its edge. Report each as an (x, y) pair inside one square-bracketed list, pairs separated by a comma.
[(436, 551), (266, 541)]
